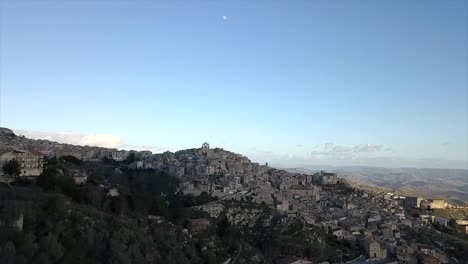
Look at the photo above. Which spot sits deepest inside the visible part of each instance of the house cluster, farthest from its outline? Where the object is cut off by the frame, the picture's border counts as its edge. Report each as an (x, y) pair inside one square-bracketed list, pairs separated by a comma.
[(31, 164), (14, 148), (462, 226), (378, 222), (326, 178), (414, 253), (46, 148), (31, 153), (419, 202), (199, 165), (89, 153)]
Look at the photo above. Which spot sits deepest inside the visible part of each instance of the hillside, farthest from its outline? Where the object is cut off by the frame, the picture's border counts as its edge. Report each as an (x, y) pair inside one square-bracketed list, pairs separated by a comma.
[(58, 221), (458, 214), (128, 216), (449, 184)]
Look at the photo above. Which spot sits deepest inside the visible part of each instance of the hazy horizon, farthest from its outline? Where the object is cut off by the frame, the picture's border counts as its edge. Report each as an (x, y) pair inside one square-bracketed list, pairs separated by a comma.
[(110, 141)]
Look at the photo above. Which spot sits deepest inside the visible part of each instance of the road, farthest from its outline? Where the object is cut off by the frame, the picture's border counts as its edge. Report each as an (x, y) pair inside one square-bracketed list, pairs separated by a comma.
[(239, 251), (358, 259)]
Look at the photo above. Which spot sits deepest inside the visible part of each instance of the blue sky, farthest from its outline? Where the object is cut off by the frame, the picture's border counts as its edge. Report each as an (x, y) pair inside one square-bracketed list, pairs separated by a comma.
[(379, 83)]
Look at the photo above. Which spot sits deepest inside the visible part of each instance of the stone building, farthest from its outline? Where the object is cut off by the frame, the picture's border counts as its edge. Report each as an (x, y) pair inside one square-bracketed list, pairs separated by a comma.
[(463, 228), (302, 190), (88, 155), (407, 259), (198, 226), (205, 148), (136, 165), (437, 204), (328, 178), (414, 202), (120, 155), (31, 164), (79, 177), (374, 249), (63, 150)]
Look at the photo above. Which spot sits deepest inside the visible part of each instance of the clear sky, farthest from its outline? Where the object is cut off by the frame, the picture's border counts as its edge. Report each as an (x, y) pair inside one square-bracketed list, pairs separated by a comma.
[(379, 83)]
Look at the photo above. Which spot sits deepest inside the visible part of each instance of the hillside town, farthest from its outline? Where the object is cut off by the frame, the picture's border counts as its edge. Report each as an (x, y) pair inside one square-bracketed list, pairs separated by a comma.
[(382, 224)]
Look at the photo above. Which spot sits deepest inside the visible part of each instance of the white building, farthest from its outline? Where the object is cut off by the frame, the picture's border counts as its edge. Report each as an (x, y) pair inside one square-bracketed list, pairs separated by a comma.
[(31, 164)]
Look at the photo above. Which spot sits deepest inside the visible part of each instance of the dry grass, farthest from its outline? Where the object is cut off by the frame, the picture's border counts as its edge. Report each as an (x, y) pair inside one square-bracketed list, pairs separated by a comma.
[(452, 213)]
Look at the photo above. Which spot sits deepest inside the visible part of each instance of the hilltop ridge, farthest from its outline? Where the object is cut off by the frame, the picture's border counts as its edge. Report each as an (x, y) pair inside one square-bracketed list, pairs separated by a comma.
[(6, 131), (450, 184), (188, 162), (430, 183)]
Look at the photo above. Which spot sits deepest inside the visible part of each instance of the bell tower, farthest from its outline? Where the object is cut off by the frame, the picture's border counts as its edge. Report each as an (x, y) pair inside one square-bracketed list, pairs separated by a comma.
[(205, 148)]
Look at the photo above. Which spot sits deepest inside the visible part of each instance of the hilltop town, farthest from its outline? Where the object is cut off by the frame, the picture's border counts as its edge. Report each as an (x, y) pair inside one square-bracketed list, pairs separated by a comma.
[(387, 227)]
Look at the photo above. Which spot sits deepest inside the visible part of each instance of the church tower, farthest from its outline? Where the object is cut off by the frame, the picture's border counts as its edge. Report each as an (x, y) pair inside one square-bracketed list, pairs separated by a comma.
[(205, 148)]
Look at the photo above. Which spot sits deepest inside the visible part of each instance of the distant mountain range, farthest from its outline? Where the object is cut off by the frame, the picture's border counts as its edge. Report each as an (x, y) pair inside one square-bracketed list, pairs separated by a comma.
[(450, 184)]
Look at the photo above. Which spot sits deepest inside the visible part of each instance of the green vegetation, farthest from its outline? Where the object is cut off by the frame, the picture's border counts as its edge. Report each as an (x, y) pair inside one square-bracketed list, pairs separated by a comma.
[(451, 230), (71, 159), (300, 240), (455, 246), (12, 168), (131, 158), (57, 231), (281, 238), (69, 223)]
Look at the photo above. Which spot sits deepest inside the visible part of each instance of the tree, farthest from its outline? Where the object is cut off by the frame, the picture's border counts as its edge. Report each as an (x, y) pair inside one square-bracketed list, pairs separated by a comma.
[(223, 227), (27, 246), (12, 167), (131, 158), (96, 179), (107, 160), (8, 252), (67, 185), (452, 223), (72, 159), (48, 179), (51, 249), (51, 161)]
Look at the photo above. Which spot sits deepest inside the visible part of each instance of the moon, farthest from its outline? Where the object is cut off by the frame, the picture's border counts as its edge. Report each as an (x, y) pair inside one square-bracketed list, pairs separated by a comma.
[(224, 17)]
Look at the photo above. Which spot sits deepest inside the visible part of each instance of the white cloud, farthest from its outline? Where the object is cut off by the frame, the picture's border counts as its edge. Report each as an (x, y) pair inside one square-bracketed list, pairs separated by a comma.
[(68, 137), (153, 148), (332, 150), (368, 148), (76, 138), (329, 152), (107, 141)]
